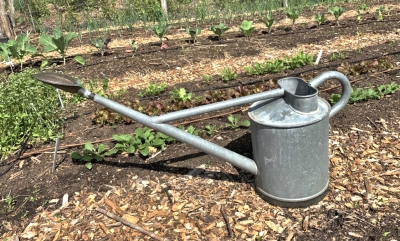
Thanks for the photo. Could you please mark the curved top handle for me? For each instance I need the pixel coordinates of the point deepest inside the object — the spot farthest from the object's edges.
(346, 88)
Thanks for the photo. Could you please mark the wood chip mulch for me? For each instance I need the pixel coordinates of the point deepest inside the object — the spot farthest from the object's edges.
(364, 172)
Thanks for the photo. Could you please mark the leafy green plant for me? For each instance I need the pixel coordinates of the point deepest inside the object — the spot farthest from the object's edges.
(58, 42)
(18, 48)
(148, 142)
(91, 153)
(190, 129)
(336, 56)
(125, 143)
(228, 75)
(206, 78)
(336, 11)
(193, 32)
(320, 18)
(181, 94)
(268, 21)
(210, 129)
(234, 122)
(293, 14)
(360, 94)
(27, 107)
(101, 44)
(379, 12)
(10, 203)
(299, 60)
(153, 90)
(160, 30)
(362, 9)
(219, 29)
(134, 45)
(246, 28)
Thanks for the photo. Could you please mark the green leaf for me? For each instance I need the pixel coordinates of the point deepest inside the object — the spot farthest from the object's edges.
(79, 60)
(75, 155)
(87, 158)
(89, 146)
(101, 148)
(130, 150)
(245, 123)
(144, 151)
(47, 42)
(88, 165)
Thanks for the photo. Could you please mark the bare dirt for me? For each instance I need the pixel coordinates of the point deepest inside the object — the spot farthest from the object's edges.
(157, 193)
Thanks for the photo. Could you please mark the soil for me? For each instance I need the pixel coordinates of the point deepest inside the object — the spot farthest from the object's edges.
(158, 194)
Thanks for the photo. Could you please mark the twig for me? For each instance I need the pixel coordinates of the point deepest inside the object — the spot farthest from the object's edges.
(127, 223)
(372, 123)
(228, 226)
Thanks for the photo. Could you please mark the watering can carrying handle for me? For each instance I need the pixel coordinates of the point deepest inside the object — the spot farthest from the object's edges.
(346, 88)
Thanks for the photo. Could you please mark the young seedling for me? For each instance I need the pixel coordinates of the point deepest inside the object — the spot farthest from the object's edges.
(210, 129)
(268, 21)
(58, 42)
(319, 18)
(153, 90)
(235, 122)
(363, 9)
(91, 153)
(125, 143)
(336, 12)
(206, 78)
(101, 44)
(228, 75)
(246, 28)
(160, 30)
(379, 12)
(293, 14)
(219, 29)
(193, 32)
(134, 45)
(181, 94)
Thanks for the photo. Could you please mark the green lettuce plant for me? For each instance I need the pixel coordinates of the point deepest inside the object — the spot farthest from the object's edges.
(228, 75)
(246, 28)
(153, 90)
(336, 12)
(268, 21)
(181, 94)
(219, 29)
(193, 32)
(58, 42)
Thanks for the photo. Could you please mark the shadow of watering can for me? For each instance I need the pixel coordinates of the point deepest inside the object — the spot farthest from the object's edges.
(289, 132)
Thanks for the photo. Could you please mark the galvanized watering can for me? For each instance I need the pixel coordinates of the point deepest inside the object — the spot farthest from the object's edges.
(289, 132)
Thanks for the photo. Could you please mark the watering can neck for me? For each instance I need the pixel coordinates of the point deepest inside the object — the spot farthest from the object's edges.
(299, 95)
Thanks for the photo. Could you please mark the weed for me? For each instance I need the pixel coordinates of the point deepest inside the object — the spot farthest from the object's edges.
(10, 203)
(228, 75)
(234, 122)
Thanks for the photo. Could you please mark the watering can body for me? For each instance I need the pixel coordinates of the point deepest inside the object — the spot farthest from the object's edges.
(290, 140)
